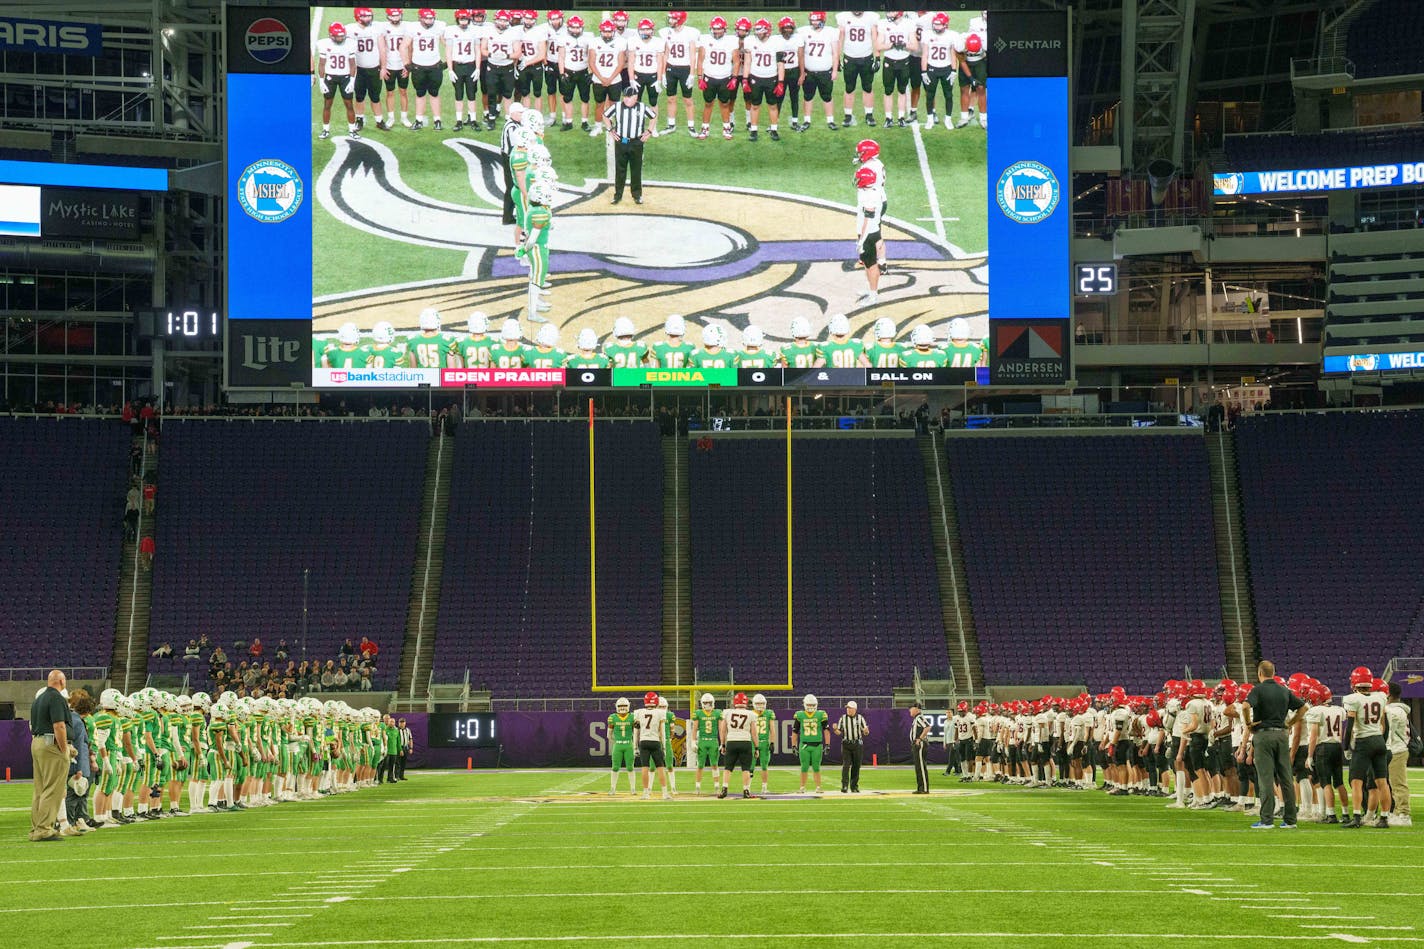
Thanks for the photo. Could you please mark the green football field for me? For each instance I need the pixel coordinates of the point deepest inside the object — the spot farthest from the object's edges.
(401, 221)
(538, 858)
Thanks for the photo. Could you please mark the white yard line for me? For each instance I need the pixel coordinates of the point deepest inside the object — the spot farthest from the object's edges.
(935, 215)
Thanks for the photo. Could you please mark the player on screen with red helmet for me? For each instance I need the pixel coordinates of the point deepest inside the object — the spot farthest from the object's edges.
(651, 721)
(335, 62)
(763, 77)
(737, 735)
(972, 49)
(647, 60)
(718, 56)
(680, 51)
(1369, 771)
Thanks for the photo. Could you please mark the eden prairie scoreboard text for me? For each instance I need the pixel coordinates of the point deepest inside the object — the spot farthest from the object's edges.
(642, 378)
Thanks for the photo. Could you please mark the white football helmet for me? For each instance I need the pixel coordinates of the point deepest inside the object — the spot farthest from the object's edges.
(541, 191)
(621, 705)
(758, 701)
(922, 336)
(534, 122)
(885, 328)
(202, 701)
(707, 701)
(110, 698)
(185, 703)
(959, 328)
(623, 327)
(587, 339)
(712, 335)
(753, 336)
(800, 327)
(510, 330)
(383, 333)
(809, 701)
(662, 701)
(548, 335)
(430, 318)
(479, 323)
(349, 334)
(839, 325)
(675, 325)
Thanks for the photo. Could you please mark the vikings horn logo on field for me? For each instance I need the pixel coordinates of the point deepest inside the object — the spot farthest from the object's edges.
(729, 255)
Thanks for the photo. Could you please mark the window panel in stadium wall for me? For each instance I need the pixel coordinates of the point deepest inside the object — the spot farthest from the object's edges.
(787, 222)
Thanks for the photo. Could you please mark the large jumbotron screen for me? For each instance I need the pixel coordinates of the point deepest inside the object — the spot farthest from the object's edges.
(388, 234)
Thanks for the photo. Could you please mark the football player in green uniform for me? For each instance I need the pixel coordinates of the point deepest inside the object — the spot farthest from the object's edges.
(809, 738)
(174, 719)
(839, 350)
(753, 354)
(218, 768)
(712, 355)
(384, 352)
(545, 354)
(962, 350)
(348, 353)
(884, 353)
(703, 722)
(765, 725)
(801, 353)
(509, 354)
(620, 744)
(538, 222)
(675, 352)
(104, 730)
(197, 727)
(430, 348)
(587, 355)
(622, 352)
(923, 354)
(474, 350)
(150, 792)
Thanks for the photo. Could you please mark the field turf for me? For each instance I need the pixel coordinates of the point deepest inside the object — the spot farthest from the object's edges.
(537, 858)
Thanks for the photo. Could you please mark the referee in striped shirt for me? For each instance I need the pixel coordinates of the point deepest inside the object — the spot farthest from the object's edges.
(632, 124)
(919, 746)
(514, 115)
(853, 731)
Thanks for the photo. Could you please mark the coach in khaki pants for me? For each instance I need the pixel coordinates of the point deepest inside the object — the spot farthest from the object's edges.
(49, 748)
(1397, 714)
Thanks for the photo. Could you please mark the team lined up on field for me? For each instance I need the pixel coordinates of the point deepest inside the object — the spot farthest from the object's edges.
(233, 753)
(1191, 742)
(435, 348)
(513, 56)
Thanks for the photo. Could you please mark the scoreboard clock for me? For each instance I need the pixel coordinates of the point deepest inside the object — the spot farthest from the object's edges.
(197, 325)
(463, 730)
(1094, 280)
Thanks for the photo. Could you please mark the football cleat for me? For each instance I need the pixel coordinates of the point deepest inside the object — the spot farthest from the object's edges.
(775, 135)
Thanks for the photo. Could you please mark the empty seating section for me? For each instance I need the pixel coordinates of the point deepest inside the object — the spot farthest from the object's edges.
(1089, 560)
(61, 511)
(1330, 499)
(514, 604)
(866, 605)
(1286, 151)
(1387, 40)
(1376, 290)
(246, 507)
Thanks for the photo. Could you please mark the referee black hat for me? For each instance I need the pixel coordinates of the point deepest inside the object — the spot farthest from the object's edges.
(632, 89)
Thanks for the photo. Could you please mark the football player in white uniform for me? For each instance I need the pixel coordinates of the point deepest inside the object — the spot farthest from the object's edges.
(972, 49)
(335, 62)
(370, 39)
(502, 50)
(533, 56)
(870, 199)
(821, 55)
(679, 57)
(607, 61)
(938, 63)
(647, 61)
(717, 54)
(556, 37)
(897, 43)
(763, 77)
(463, 43)
(573, 72)
(650, 720)
(791, 43)
(427, 69)
(858, 29)
(395, 65)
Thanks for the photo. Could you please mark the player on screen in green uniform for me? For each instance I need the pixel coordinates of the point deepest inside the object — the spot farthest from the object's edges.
(923, 354)
(620, 744)
(712, 355)
(509, 353)
(538, 222)
(801, 353)
(962, 350)
(809, 738)
(754, 355)
(474, 350)
(839, 350)
(430, 348)
(703, 723)
(587, 355)
(348, 353)
(319, 345)
(621, 350)
(675, 352)
(545, 353)
(765, 725)
(884, 353)
(385, 351)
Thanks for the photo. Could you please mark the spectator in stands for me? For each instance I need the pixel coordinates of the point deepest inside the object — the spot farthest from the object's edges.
(365, 680)
(282, 654)
(217, 659)
(131, 513)
(191, 651)
(202, 641)
(150, 493)
(255, 650)
(368, 648)
(147, 548)
(339, 680)
(347, 649)
(328, 675)
(164, 651)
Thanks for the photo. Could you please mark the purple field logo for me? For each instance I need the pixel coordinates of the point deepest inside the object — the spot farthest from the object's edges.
(268, 41)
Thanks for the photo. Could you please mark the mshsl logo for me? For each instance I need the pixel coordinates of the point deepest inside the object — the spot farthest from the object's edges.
(269, 191)
(1028, 192)
(268, 41)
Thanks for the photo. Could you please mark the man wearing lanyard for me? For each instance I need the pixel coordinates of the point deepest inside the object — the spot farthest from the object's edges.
(853, 731)
(1271, 705)
(919, 740)
(631, 124)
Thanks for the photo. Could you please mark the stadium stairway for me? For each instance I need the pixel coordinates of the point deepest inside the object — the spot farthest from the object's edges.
(1233, 570)
(128, 669)
(677, 565)
(418, 649)
(961, 637)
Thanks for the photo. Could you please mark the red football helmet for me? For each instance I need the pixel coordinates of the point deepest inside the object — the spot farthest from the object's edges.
(426, 13)
(553, 15)
(740, 700)
(786, 23)
(864, 178)
(744, 26)
(620, 16)
(940, 22)
(718, 24)
(394, 13)
(645, 24)
(362, 15)
(531, 16)
(973, 44)
(478, 12)
(576, 22)
(463, 14)
(1361, 675)
(677, 18)
(651, 699)
(606, 26)
(817, 16)
(1380, 685)
(762, 27)
(336, 31)
(501, 15)
(866, 149)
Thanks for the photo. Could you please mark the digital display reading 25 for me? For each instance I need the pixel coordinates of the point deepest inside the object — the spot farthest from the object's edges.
(463, 730)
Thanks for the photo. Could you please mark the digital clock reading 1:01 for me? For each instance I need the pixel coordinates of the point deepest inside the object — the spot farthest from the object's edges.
(191, 324)
(463, 730)
(1090, 280)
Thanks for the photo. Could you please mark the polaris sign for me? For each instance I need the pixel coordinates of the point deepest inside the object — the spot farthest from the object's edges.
(51, 36)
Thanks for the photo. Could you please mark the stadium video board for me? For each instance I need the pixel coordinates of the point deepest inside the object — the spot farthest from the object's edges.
(367, 176)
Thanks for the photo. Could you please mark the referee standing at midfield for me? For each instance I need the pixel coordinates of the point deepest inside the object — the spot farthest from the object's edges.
(513, 116)
(631, 123)
(919, 745)
(853, 731)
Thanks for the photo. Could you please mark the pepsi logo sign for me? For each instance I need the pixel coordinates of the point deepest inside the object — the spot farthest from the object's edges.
(268, 41)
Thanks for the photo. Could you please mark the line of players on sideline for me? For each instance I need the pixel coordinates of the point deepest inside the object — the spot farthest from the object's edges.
(491, 62)
(234, 753)
(1190, 742)
(738, 738)
(434, 348)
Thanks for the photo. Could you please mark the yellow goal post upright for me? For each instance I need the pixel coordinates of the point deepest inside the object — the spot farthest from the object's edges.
(692, 689)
